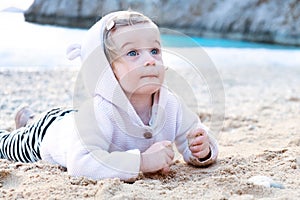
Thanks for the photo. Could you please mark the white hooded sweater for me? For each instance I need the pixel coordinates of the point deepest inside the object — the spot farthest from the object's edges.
(105, 138)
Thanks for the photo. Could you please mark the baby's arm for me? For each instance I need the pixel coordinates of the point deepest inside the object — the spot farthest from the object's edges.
(96, 163)
(88, 150)
(197, 149)
(100, 164)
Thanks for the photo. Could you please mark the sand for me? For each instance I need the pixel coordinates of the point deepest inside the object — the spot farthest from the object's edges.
(260, 136)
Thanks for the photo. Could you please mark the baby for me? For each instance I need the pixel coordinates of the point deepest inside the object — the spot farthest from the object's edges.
(131, 120)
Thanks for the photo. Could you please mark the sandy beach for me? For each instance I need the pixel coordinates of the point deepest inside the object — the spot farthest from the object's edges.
(259, 136)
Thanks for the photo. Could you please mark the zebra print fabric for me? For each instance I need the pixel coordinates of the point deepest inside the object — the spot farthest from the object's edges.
(23, 144)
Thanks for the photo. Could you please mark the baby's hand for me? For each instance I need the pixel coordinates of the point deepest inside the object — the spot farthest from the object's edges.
(199, 143)
(159, 156)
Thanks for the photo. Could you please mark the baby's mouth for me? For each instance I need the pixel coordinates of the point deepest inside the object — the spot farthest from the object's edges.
(150, 76)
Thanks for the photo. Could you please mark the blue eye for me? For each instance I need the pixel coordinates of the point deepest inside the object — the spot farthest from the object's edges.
(132, 53)
(154, 51)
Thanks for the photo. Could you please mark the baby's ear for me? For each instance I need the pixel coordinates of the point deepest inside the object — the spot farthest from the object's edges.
(73, 51)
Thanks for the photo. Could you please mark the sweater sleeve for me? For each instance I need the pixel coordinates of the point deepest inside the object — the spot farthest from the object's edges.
(99, 164)
(187, 121)
(88, 154)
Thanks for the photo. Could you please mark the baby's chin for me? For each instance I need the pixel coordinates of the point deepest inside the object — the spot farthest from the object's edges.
(148, 89)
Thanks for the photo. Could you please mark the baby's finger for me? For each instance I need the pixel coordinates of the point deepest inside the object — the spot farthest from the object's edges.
(199, 132)
(196, 133)
(170, 153)
(201, 154)
(167, 143)
(197, 148)
(197, 141)
(169, 146)
(165, 170)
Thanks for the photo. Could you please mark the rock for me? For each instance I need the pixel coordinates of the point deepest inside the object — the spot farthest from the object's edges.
(265, 181)
(251, 127)
(277, 185)
(274, 21)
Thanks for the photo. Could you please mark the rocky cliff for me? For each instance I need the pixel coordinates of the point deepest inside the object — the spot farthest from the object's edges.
(271, 21)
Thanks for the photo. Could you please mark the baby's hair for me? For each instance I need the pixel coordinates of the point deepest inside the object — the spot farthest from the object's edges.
(126, 18)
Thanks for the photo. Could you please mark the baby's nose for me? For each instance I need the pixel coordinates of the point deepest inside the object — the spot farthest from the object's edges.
(149, 63)
(149, 60)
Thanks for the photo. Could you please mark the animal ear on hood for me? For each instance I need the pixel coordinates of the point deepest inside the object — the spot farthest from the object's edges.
(73, 51)
(92, 56)
(92, 39)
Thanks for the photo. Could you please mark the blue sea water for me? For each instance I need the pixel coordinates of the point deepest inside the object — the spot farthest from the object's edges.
(184, 41)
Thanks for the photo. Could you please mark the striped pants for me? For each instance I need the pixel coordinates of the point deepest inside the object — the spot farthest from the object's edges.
(23, 144)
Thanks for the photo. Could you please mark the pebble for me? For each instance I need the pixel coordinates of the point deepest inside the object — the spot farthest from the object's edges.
(277, 185)
(265, 181)
(251, 127)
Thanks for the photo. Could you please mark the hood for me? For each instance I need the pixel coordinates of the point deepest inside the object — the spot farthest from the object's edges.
(96, 76)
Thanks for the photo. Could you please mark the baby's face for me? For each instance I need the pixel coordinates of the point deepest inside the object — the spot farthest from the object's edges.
(139, 67)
